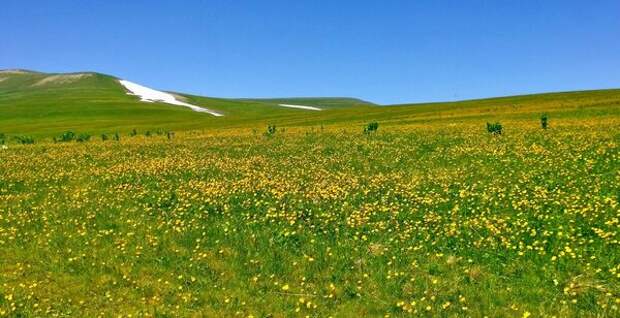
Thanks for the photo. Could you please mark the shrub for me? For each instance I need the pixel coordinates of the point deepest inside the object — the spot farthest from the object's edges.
(133, 133)
(271, 130)
(2, 138)
(148, 133)
(170, 135)
(24, 140)
(371, 128)
(117, 137)
(67, 136)
(83, 138)
(544, 121)
(104, 137)
(495, 129)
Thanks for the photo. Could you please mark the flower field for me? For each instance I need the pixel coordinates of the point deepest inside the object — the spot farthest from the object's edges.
(418, 219)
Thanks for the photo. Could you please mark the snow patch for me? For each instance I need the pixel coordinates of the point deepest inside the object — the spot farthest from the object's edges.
(300, 107)
(150, 95)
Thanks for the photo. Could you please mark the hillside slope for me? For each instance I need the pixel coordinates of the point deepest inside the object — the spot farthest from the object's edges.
(40, 104)
(319, 102)
(43, 104)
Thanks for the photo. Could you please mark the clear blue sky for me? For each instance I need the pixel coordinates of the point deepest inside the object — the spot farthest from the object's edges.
(383, 51)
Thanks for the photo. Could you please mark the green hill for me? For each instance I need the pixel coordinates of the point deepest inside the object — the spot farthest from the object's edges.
(41, 104)
(36, 103)
(320, 102)
(44, 104)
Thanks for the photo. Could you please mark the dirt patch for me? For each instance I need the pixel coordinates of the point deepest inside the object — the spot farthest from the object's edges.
(179, 97)
(62, 79)
(13, 72)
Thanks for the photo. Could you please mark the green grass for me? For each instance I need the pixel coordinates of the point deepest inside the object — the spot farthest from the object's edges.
(429, 216)
(98, 104)
(320, 102)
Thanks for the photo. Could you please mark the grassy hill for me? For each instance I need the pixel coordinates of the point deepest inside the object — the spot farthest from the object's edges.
(40, 104)
(320, 102)
(43, 104)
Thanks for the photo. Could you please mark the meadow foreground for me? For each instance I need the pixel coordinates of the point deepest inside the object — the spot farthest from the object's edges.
(437, 219)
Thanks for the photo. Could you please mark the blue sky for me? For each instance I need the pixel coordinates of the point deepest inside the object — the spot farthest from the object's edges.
(383, 51)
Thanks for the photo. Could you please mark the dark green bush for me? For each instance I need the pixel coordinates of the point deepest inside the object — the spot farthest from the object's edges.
(271, 130)
(371, 128)
(495, 129)
(83, 138)
(544, 121)
(2, 138)
(24, 140)
(67, 136)
(133, 133)
(117, 136)
(104, 137)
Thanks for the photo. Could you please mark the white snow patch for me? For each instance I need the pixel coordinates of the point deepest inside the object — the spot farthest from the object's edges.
(150, 95)
(300, 107)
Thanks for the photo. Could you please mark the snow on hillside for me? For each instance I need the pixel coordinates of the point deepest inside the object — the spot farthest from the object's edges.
(150, 95)
(300, 107)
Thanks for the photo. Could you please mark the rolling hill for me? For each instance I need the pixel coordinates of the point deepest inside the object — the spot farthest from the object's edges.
(320, 102)
(42, 104)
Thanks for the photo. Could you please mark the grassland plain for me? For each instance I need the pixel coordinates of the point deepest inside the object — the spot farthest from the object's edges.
(430, 216)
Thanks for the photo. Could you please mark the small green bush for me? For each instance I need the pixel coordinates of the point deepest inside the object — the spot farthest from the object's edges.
(83, 138)
(2, 138)
(133, 133)
(544, 121)
(117, 137)
(147, 133)
(24, 140)
(495, 129)
(371, 128)
(104, 137)
(271, 130)
(67, 136)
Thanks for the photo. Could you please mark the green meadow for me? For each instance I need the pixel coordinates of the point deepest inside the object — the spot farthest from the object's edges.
(429, 215)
